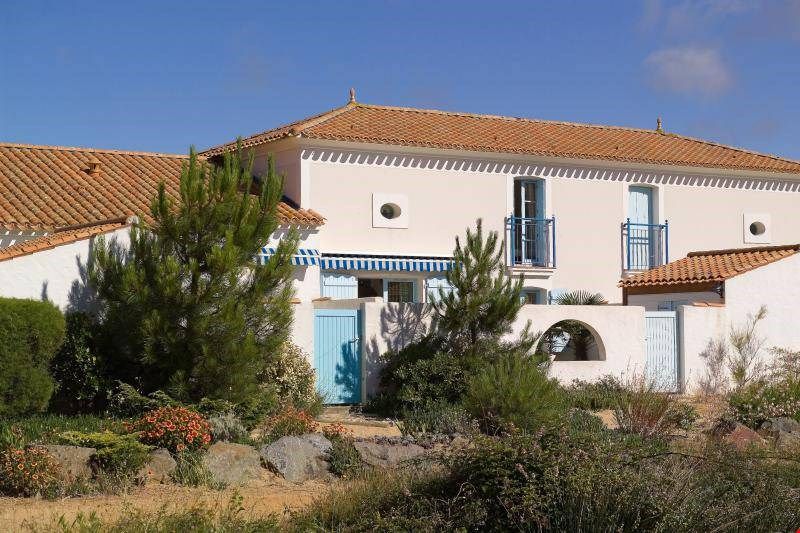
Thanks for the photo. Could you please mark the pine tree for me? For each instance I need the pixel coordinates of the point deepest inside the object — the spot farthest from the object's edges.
(484, 301)
(186, 307)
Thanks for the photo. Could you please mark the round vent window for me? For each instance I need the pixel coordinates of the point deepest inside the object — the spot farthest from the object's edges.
(757, 228)
(390, 211)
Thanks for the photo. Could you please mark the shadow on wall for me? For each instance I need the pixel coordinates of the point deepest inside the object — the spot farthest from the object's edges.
(347, 381)
(400, 325)
(81, 296)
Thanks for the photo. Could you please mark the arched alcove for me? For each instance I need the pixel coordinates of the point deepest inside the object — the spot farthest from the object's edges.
(572, 340)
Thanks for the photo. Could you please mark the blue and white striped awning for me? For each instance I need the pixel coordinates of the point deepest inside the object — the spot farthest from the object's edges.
(303, 257)
(406, 264)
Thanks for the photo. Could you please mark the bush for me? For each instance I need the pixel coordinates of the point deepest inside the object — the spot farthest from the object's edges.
(209, 407)
(125, 401)
(175, 428)
(292, 376)
(601, 394)
(343, 457)
(438, 418)
(31, 332)
(258, 406)
(514, 393)
(192, 472)
(227, 427)
(45, 429)
(290, 421)
(646, 412)
(755, 403)
(119, 455)
(27, 472)
(76, 368)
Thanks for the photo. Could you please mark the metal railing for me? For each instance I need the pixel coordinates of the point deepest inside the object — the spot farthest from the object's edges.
(646, 245)
(531, 241)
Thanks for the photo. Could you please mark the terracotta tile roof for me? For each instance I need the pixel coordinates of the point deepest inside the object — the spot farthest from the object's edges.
(60, 237)
(364, 123)
(46, 187)
(710, 266)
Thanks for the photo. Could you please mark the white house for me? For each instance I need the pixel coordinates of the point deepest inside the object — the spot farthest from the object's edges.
(380, 193)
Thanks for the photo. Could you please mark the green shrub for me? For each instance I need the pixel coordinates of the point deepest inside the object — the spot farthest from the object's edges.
(125, 401)
(119, 455)
(209, 407)
(601, 394)
(31, 333)
(27, 472)
(258, 406)
(177, 429)
(76, 368)
(290, 421)
(646, 412)
(512, 393)
(755, 403)
(227, 427)
(45, 429)
(343, 457)
(438, 418)
(190, 471)
(292, 376)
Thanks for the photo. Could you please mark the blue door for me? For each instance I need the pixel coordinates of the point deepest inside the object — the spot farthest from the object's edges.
(661, 347)
(640, 214)
(337, 355)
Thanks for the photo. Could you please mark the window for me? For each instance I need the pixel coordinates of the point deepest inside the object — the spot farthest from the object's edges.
(531, 296)
(370, 287)
(390, 211)
(757, 228)
(399, 291)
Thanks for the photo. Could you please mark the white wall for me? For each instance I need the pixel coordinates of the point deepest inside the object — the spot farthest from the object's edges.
(651, 301)
(447, 191)
(698, 326)
(57, 274)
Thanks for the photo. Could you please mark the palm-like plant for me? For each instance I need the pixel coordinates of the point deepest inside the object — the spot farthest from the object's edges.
(581, 338)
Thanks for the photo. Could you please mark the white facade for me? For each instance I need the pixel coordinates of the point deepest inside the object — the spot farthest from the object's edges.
(443, 192)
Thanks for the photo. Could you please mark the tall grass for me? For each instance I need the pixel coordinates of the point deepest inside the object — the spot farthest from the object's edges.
(45, 428)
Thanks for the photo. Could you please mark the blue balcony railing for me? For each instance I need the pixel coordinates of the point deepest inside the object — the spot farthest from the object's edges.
(646, 245)
(531, 241)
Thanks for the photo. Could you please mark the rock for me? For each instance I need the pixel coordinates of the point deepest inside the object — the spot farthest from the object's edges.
(774, 426)
(387, 455)
(737, 435)
(786, 441)
(158, 467)
(74, 461)
(232, 464)
(296, 458)
(319, 441)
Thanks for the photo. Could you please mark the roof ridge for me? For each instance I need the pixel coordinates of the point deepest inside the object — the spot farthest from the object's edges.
(728, 251)
(303, 122)
(4, 144)
(575, 124)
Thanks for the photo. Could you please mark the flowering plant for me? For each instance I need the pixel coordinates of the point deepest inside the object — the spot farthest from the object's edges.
(175, 428)
(26, 472)
(290, 421)
(337, 431)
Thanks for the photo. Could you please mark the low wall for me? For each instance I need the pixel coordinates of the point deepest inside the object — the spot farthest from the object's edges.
(620, 331)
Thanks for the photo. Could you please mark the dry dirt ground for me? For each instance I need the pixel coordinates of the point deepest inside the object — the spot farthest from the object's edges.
(270, 494)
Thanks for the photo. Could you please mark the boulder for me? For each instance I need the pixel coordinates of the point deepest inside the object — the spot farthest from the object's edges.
(786, 441)
(737, 435)
(387, 455)
(232, 464)
(74, 461)
(297, 458)
(319, 441)
(774, 426)
(158, 468)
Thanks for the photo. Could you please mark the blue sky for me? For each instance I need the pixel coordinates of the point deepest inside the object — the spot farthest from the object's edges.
(163, 75)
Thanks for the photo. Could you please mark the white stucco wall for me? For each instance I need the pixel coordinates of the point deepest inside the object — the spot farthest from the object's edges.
(57, 274)
(652, 301)
(697, 327)
(447, 191)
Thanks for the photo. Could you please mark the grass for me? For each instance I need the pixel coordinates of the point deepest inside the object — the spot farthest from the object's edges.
(199, 518)
(45, 428)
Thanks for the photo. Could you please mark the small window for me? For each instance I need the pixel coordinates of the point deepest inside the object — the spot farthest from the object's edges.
(400, 291)
(757, 228)
(531, 296)
(390, 211)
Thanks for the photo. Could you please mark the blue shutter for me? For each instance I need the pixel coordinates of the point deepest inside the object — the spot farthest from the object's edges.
(339, 286)
(640, 205)
(432, 286)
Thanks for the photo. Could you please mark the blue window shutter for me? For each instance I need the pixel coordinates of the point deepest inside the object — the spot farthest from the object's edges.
(339, 286)
(539, 199)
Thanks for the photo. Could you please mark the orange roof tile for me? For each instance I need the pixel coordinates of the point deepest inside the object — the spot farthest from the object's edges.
(45, 187)
(60, 237)
(710, 266)
(402, 126)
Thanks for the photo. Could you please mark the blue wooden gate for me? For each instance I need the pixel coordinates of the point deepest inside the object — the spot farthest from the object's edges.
(661, 366)
(337, 355)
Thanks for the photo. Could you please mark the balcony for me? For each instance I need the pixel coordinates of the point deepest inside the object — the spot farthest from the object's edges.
(531, 242)
(645, 246)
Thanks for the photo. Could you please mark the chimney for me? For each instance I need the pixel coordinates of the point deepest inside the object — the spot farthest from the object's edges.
(94, 166)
